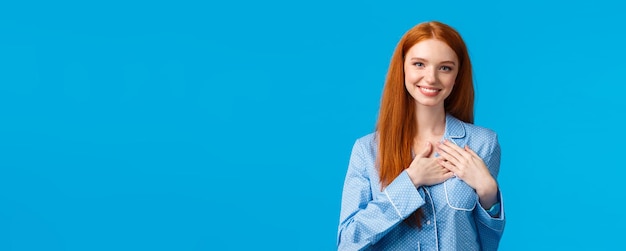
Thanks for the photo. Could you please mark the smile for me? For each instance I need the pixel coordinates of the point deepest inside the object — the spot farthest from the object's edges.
(431, 92)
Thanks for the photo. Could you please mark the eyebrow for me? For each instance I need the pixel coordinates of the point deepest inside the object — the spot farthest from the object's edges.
(421, 59)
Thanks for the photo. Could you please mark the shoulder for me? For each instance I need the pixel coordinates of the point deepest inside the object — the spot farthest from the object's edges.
(457, 128)
(480, 132)
(481, 139)
(369, 138)
(367, 143)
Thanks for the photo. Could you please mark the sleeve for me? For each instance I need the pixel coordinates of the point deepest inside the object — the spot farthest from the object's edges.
(365, 219)
(490, 229)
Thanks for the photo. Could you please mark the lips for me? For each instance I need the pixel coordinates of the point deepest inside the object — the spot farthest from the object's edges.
(428, 91)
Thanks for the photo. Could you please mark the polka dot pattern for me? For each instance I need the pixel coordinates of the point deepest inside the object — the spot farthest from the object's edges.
(372, 219)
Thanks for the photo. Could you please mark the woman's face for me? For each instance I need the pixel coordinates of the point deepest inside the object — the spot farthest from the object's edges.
(430, 69)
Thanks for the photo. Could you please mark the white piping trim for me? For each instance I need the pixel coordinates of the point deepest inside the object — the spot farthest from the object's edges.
(394, 205)
(445, 188)
(485, 224)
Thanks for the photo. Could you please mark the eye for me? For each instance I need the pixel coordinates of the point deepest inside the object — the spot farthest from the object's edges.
(419, 64)
(446, 68)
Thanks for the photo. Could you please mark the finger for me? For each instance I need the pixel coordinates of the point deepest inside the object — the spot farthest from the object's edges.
(448, 175)
(445, 175)
(427, 150)
(448, 165)
(475, 158)
(451, 147)
(467, 149)
(447, 156)
(461, 153)
(447, 151)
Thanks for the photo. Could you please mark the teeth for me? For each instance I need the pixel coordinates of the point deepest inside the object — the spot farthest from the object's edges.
(429, 90)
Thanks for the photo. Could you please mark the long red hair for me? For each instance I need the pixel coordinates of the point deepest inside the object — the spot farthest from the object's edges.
(396, 121)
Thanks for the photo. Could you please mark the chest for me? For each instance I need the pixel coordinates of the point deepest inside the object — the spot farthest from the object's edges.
(427, 146)
(452, 195)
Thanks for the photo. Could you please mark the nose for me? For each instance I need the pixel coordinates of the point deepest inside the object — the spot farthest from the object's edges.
(430, 75)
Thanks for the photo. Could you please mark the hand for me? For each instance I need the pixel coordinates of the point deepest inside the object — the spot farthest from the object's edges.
(425, 171)
(469, 167)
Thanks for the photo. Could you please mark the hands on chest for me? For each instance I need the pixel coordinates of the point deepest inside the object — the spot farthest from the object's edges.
(452, 161)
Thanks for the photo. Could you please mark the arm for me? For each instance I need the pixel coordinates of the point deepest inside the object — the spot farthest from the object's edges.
(490, 228)
(365, 218)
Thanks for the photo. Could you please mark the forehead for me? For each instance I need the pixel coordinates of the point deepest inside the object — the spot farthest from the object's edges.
(432, 50)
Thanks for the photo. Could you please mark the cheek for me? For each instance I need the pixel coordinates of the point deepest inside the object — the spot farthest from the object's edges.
(411, 77)
(449, 81)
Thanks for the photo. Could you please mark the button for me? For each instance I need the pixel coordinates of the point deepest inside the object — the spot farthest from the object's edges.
(427, 222)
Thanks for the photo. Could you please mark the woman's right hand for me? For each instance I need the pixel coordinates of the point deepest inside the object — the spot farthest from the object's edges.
(425, 171)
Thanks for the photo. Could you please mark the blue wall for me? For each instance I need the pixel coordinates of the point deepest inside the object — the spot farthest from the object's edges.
(228, 126)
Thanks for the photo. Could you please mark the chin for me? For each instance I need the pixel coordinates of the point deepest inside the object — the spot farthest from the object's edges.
(429, 103)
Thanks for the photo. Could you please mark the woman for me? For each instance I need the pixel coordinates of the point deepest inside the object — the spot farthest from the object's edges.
(426, 179)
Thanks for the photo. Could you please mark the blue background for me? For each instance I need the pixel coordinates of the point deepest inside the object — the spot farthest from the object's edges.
(185, 125)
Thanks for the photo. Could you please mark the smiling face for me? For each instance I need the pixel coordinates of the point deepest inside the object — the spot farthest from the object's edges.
(430, 69)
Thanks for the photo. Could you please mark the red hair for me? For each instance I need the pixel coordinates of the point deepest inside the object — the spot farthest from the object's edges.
(396, 120)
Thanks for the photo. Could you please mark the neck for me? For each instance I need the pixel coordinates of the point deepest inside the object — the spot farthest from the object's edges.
(431, 121)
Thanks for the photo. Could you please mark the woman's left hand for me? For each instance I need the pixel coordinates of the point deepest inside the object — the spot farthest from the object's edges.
(469, 167)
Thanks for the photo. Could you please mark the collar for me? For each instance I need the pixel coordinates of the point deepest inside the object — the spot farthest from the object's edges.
(454, 127)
